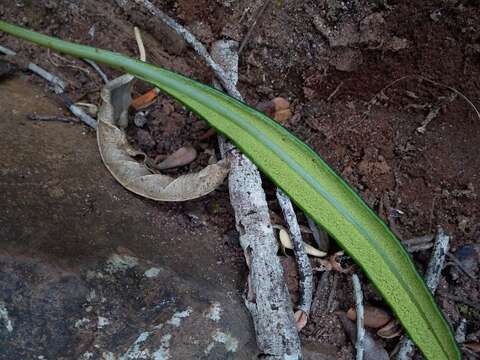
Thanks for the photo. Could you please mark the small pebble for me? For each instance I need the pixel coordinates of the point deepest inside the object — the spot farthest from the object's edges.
(140, 119)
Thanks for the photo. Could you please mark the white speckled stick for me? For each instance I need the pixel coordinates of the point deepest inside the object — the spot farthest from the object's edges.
(270, 306)
(432, 278)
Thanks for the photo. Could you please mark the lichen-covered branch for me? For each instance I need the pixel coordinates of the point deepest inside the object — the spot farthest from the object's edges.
(269, 301)
(303, 263)
(432, 278)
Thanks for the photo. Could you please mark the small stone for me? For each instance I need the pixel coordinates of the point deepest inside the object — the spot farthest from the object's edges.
(140, 119)
(469, 257)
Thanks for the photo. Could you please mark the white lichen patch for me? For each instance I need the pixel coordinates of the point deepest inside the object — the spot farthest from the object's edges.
(81, 322)
(214, 312)
(107, 355)
(230, 343)
(118, 263)
(92, 295)
(5, 318)
(179, 316)
(152, 272)
(86, 356)
(163, 352)
(134, 351)
(102, 322)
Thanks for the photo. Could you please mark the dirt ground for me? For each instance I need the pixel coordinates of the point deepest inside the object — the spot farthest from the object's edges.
(362, 77)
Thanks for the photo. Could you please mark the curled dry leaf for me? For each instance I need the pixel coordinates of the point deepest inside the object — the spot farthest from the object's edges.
(119, 156)
(183, 156)
(301, 319)
(390, 330)
(277, 108)
(286, 242)
(373, 317)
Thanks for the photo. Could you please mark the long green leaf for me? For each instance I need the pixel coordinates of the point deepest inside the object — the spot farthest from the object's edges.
(308, 180)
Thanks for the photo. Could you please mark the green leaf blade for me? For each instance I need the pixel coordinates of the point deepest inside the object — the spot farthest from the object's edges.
(311, 184)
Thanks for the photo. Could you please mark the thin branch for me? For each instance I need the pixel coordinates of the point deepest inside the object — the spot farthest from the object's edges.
(67, 119)
(303, 263)
(360, 344)
(227, 83)
(267, 298)
(320, 236)
(141, 47)
(433, 82)
(258, 16)
(98, 69)
(459, 264)
(432, 278)
(59, 87)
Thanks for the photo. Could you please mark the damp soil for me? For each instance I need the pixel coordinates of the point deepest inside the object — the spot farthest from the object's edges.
(361, 77)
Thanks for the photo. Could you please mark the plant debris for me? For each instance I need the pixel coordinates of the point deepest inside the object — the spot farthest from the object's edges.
(374, 317)
(119, 156)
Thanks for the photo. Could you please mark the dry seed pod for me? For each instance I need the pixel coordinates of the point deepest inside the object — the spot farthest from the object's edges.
(391, 330)
(373, 317)
(286, 242)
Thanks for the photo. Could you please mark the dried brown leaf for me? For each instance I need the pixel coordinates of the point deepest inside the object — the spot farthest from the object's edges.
(374, 317)
(391, 330)
(183, 156)
(119, 156)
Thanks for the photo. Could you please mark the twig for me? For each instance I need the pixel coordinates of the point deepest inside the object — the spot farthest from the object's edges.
(337, 89)
(258, 16)
(98, 69)
(432, 278)
(67, 63)
(268, 300)
(360, 319)
(303, 263)
(333, 293)
(59, 87)
(433, 82)
(222, 76)
(141, 47)
(434, 113)
(459, 264)
(35, 117)
(321, 237)
(324, 288)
